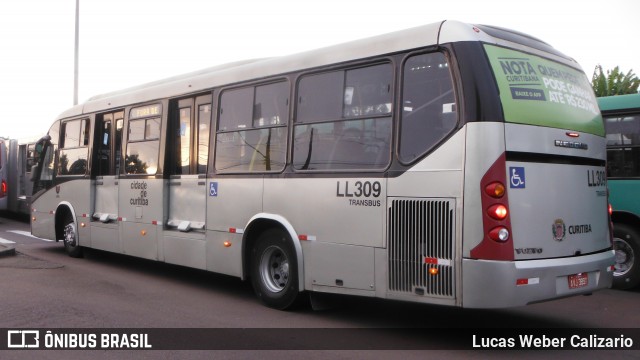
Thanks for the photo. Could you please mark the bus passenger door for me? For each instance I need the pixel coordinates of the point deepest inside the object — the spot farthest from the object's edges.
(105, 173)
(186, 164)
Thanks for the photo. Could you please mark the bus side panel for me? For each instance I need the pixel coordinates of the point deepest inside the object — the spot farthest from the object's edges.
(342, 220)
(423, 217)
(141, 209)
(347, 211)
(231, 203)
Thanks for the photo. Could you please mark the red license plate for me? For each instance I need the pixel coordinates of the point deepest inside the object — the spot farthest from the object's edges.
(578, 280)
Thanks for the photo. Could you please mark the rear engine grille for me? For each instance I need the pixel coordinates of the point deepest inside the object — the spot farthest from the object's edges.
(421, 237)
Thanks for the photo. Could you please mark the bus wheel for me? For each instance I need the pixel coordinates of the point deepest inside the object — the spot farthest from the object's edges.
(626, 243)
(274, 269)
(70, 232)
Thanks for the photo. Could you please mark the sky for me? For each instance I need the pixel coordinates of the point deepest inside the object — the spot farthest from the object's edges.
(130, 42)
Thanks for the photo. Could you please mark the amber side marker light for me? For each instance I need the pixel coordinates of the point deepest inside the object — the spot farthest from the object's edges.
(433, 271)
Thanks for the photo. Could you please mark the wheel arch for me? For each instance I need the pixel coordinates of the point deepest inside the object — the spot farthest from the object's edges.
(256, 226)
(64, 208)
(627, 218)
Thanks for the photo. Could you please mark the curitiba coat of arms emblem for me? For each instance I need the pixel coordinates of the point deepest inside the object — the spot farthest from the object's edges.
(558, 229)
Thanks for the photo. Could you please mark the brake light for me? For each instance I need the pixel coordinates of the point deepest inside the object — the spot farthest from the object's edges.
(497, 242)
(498, 211)
(610, 213)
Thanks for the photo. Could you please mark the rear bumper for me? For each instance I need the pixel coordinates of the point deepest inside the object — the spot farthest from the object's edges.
(494, 284)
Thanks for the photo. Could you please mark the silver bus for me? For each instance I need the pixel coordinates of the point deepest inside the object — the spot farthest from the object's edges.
(17, 157)
(450, 164)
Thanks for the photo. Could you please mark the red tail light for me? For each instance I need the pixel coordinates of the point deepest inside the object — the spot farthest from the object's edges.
(497, 211)
(3, 189)
(497, 242)
(610, 213)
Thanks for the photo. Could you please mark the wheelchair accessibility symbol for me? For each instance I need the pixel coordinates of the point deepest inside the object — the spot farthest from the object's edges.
(516, 177)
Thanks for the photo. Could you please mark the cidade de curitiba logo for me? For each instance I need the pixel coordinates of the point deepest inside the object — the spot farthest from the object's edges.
(69, 339)
(559, 230)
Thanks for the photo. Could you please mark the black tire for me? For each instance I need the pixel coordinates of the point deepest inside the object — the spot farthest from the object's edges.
(70, 237)
(626, 243)
(274, 270)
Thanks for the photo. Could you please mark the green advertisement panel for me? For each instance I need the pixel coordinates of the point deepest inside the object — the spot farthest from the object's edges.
(537, 91)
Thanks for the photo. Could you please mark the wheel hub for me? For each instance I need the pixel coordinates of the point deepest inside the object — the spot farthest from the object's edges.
(70, 234)
(274, 269)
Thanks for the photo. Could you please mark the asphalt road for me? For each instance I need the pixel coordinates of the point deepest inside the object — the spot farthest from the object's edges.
(44, 288)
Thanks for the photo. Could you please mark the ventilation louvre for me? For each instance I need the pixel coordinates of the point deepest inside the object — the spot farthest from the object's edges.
(421, 236)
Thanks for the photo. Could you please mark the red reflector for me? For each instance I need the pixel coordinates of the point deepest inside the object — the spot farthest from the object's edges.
(430, 260)
(232, 230)
(3, 190)
(498, 211)
(119, 218)
(522, 281)
(303, 237)
(610, 210)
(154, 222)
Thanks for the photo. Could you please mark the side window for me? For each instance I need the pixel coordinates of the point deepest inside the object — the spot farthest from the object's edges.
(183, 141)
(344, 120)
(142, 148)
(252, 132)
(32, 158)
(74, 144)
(141, 157)
(623, 145)
(428, 105)
(204, 118)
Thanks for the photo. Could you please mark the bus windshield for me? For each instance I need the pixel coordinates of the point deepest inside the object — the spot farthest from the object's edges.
(538, 91)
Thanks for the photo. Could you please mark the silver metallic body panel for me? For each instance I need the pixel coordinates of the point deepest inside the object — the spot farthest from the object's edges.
(187, 201)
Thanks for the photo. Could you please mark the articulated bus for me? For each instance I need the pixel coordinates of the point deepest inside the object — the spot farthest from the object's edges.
(17, 157)
(449, 164)
(622, 121)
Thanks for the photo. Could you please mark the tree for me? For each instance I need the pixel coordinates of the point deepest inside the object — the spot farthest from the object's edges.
(615, 82)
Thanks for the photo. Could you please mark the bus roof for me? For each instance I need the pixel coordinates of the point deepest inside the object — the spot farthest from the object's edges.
(227, 74)
(619, 102)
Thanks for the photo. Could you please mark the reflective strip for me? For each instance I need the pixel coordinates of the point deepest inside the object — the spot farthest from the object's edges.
(437, 261)
(306, 237)
(236, 231)
(530, 281)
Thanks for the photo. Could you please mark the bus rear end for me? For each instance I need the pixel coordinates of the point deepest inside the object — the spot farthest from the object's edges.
(536, 225)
